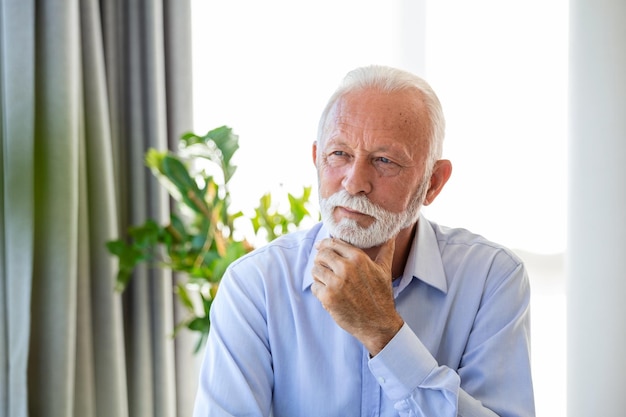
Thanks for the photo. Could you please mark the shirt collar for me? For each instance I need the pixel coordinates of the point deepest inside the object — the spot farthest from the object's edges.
(424, 262)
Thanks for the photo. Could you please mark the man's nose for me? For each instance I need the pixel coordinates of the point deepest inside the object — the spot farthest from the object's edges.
(358, 177)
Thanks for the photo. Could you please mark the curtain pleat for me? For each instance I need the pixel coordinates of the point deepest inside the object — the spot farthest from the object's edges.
(148, 299)
(86, 87)
(179, 87)
(57, 130)
(17, 115)
(105, 338)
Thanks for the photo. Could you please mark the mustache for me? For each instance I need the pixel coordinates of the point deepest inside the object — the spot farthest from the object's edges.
(358, 203)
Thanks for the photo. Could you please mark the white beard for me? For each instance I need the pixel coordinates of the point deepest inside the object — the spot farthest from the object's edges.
(386, 224)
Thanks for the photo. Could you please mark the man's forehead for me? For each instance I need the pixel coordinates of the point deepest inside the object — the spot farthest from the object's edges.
(376, 112)
(405, 105)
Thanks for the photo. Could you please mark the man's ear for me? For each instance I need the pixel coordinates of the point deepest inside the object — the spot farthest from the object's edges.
(441, 175)
(315, 153)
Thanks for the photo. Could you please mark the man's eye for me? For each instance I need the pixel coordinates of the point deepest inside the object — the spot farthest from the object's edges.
(386, 167)
(337, 158)
(382, 161)
(337, 155)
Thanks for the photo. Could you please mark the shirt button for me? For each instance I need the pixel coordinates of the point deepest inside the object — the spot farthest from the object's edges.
(381, 380)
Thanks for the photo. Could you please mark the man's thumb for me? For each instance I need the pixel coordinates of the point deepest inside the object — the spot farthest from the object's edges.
(385, 254)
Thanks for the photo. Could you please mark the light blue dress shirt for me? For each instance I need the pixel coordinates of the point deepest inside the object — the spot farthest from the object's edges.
(464, 349)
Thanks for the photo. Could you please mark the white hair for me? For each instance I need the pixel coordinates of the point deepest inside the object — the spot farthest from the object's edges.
(388, 80)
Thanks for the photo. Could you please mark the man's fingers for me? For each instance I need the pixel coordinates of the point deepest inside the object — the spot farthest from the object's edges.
(334, 246)
(338, 257)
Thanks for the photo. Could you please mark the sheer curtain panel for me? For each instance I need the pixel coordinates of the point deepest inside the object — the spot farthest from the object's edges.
(86, 87)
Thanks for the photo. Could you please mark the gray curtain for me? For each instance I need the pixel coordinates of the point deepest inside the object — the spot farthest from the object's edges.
(86, 87)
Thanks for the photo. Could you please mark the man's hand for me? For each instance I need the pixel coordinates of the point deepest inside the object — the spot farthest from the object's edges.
(357, 291)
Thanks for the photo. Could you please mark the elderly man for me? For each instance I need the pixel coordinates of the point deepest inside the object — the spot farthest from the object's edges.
(376, 311)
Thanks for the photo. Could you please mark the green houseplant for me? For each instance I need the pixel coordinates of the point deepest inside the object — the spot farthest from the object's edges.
(200, 240)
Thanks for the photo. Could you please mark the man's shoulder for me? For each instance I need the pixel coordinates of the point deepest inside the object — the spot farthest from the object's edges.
(470, 259)
(279, 267)
(461, 239)
(289, 247)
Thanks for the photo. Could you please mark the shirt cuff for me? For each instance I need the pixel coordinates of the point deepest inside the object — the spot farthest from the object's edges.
(402, 365)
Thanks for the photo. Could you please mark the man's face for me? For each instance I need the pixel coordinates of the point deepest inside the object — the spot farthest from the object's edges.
(371, 163)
